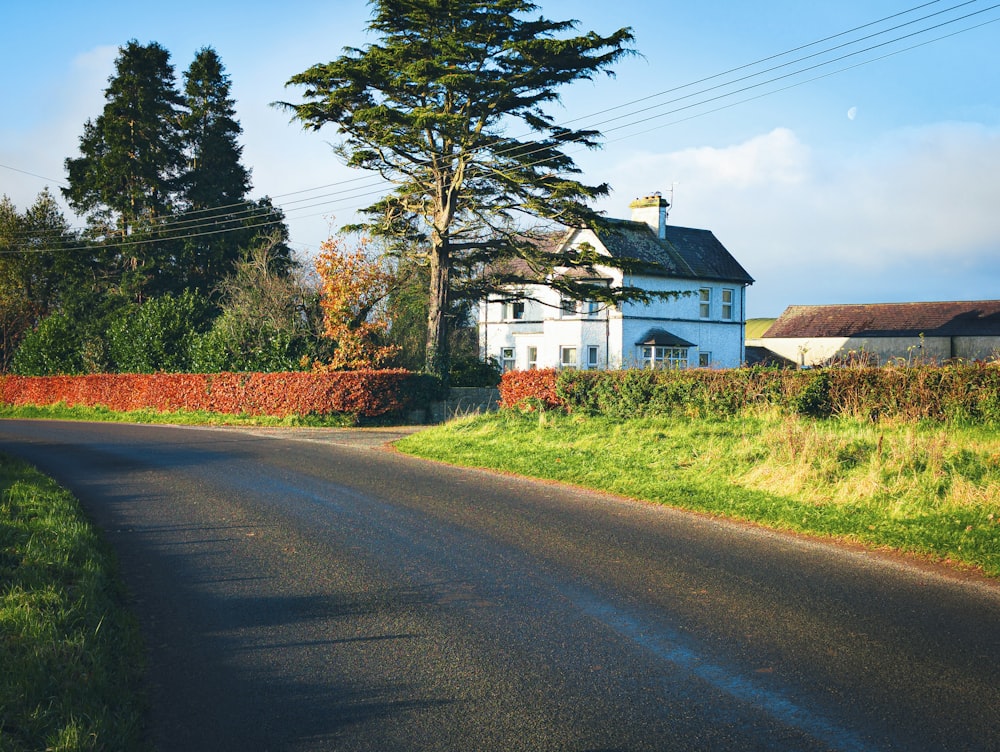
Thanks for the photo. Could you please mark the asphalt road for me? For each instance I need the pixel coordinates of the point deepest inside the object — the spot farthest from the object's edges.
(307, 590)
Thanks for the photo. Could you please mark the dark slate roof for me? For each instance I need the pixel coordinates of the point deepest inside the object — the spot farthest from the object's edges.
(663, 338)
(973, 318)
(685, 253)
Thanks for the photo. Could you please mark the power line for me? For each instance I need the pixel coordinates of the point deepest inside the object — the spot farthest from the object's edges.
(763, 60)
(809, 68)
(205, 222)
(806, 81)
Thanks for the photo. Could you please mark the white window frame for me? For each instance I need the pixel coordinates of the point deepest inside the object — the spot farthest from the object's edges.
(593, 356)
(593, 309)
(705, 303)
(728, 303)
(508, 359)
(662, 357)
(704, 359)
(532, 357)
(569, 356)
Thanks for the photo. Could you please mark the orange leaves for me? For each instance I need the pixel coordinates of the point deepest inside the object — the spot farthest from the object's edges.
(365, 394)
(527, 389)
(354, 288)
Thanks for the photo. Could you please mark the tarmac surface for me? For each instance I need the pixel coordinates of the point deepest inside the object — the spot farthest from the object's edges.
(301, 590)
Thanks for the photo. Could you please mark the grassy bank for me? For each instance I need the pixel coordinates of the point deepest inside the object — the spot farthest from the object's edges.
(928, 490)
(69, 652)
(178, 418)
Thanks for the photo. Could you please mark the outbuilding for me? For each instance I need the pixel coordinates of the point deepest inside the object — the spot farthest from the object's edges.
(879, 333)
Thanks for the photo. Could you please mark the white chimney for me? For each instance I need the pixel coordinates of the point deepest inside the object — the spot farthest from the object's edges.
(653, 211)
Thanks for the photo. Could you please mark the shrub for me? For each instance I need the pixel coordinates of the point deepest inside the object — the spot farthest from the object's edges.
(472, 371)
(238, 344)
(157, 335)
(814, 399)
(53, 347)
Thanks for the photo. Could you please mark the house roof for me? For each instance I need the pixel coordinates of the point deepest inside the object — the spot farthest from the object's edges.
(685, 252)
(960, 318)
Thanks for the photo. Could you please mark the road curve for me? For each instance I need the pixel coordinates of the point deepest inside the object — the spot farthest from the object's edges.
(324, 594)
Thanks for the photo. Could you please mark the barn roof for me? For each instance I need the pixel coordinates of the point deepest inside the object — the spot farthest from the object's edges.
(959, 318)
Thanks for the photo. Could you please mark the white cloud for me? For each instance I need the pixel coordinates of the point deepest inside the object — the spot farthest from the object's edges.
(909, 216)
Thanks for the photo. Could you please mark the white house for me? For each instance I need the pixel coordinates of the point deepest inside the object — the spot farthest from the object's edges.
(702, 327)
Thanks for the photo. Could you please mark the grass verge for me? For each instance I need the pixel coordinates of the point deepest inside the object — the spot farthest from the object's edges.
(177, 418)
(70, 652)
(927, 490)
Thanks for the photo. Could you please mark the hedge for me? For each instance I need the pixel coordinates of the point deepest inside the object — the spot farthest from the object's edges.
(365, 394)
(967, 392)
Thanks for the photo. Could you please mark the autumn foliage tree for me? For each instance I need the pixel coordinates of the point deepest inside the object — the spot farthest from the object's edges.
(353, 290)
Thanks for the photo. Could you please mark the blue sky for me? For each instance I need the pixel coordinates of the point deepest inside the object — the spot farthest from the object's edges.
(874, 182)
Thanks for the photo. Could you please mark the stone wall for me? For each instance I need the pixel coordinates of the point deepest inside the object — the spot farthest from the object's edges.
(461, 401)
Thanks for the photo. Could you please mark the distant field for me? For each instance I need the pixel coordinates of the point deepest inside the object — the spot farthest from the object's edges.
(757, 327)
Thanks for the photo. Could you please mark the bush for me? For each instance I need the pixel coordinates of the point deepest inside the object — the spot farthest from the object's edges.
(53, 347)
(239, 345)
(157, 335)
(814, 399)
(472, 371)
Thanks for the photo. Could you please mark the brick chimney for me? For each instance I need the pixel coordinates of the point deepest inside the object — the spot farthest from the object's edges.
(653, 211)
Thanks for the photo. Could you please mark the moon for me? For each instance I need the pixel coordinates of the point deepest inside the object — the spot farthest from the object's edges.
(852, 113)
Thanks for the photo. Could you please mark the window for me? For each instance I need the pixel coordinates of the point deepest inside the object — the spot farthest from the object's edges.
(593, 308)
(507, 359)
(513, 310)
(664, 357)
(704, 359)
(532, 358)
(567, 307)
(705, 303)
(567, 357)
(592, 356)
(727, 304)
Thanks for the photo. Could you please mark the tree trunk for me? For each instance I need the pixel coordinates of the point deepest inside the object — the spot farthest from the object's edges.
(437, 358)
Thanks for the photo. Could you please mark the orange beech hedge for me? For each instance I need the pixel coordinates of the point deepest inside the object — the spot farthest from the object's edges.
(529, 388)
(366, 394)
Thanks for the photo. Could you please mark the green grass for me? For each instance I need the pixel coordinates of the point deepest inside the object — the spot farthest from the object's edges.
(755, 328)
(927, 490)
(70, 655)
(188, 418)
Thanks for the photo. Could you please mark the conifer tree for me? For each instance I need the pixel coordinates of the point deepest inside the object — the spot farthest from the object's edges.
(216, 183)
(130, 167)
(449, 105)
(216, 176)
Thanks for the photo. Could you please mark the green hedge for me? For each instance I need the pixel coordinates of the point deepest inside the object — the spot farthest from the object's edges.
(966, 393)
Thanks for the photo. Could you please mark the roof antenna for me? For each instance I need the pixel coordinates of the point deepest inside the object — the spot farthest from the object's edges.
(671, 204)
